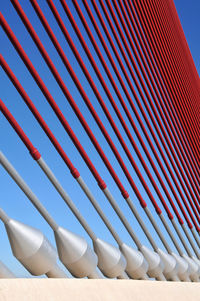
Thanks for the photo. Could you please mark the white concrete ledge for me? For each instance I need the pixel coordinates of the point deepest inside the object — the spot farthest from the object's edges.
(96, 290)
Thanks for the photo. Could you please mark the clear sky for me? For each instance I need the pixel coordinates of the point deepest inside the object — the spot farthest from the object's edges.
(188, 12)
(12, 200)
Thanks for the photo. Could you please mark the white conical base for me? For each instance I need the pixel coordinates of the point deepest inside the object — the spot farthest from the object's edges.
(137, 265)
(110, 260)
(170, 266)
(194, 269)
(156, 265)
(198, 263)
(31, 248)
(183, 270)
(75, 253)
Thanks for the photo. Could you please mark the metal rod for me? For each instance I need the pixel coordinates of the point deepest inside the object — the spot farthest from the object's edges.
(152, 54)
(18, 235)
(124, 20)
(149, 33)
(157, 76)
(51, 176)
(62, 118)
(79, 115)
(24, 187)
(66, 198)
(87, 259)
(88, 53)
(34, 152)
(5, 272)
(150, 89)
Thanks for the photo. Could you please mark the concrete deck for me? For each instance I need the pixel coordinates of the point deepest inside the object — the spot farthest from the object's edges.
(96, 290)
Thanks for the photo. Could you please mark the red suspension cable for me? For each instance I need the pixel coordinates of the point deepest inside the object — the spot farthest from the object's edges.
(164, 99)
(147, 94)
(35, 112)
(178, 164)
(33, 151)
(158, 64)
(96, 47)
(160, 49)
(172, 51)
(181, 55)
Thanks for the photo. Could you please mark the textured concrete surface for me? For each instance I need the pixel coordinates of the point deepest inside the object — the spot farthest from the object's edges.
(96, 290)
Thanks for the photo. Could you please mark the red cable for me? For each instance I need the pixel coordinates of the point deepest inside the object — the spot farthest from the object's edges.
(146, 92)
(141, 12)
(196, 204)
(182, 77)
(61, 117)
(145, 18)
(181, 192)
(150, 54)
(162, 49)
(56, 44)
(76, 53)
(120, 65)
(185, 82)
(85, 47)
(197, 186)
(153, 81)
(186, 65)
(33, 151)
(158, 65)
(160, 85)
(188, 59)
(38, 117)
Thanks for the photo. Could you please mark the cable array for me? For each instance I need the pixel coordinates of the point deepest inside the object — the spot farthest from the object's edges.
(141, 89)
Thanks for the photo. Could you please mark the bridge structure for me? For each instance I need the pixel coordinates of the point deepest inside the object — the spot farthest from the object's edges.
(100, 109)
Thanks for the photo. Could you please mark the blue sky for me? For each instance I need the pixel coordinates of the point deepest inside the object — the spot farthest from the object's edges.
(12, 200)
(188, 13)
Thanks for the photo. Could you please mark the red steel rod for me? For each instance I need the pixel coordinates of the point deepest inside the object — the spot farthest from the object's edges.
(147, 35)
(48, 132)
(161, 87)
(187, 103)
(156, 42)
(128, 96)
(195, 201)
(95, 115)
(190, 61)
(191, 177)
(81, 118)
(185, 84)
(152, 80)
(181, 78)
(155, 124)
(175, 66)
(107, 73)
(188, 65)
(98, 73)
(44, 89)
(157, 64)
(56, 44)
(186, 74)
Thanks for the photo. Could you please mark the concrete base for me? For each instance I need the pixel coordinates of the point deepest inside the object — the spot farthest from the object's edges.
(96, 290)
